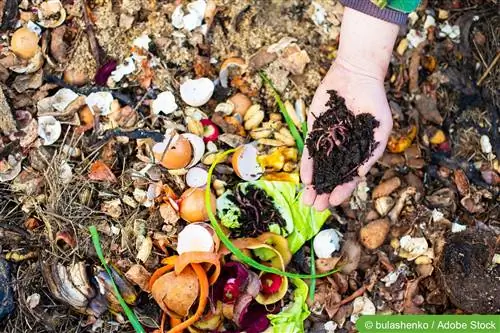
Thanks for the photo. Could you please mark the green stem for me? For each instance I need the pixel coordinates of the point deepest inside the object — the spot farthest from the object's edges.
(227, 242)
(312, 288)
(293, 129)
(128, 312)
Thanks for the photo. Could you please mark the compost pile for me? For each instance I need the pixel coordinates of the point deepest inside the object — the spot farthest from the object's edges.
(124, 125)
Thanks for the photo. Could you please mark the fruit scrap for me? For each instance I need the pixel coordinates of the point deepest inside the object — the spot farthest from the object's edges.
(210, 130)
(203, 283)
(399, 143)
(271, 283)
(283, 177)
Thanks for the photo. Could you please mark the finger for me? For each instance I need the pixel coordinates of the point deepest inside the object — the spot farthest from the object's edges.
(309, 196)
(381, 135)
(321, 202)
(306, 168)
(342, 192)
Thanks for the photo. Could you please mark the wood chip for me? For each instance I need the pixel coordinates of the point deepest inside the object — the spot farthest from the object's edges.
(7, 123)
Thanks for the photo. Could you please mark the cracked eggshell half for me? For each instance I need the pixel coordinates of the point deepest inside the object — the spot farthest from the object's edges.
(226, 66)
(326, 242)
(100, 101)
(198, 148)
(197, 92)
(245, 163)
(175, 154)
(195, 237)
(51, 14)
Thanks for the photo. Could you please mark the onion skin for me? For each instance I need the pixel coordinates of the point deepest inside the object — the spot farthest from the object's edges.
(241, 103)
(24, 43)
(192, 205)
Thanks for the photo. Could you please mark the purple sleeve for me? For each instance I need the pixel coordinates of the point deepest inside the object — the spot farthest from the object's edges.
(386, 14)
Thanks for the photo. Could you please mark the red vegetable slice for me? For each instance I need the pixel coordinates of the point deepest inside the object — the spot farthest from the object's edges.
(271, 283)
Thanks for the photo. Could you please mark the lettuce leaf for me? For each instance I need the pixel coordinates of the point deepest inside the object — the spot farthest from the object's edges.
(307, 222)
(291, 318)
(228, 211)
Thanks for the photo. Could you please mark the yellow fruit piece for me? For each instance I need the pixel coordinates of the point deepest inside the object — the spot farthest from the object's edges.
(399, 143)
(438, 137)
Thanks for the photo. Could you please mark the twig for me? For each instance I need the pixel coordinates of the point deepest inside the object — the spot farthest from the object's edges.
(354, 295)
(134, 135)
(7, 123)
(488, 70)
(94, 46)
(85, 90)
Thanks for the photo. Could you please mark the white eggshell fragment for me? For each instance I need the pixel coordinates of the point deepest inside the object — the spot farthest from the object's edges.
(164, 103)
(415, 246)
(49, 129)
(100, 101)
(486, 144)
(195, 238)
(326, 242)
(14, 168)
(198, 148)
(177, 17)
(142, 42)
(196, 177)
(63, 98)
(197, 92)
(124, 69)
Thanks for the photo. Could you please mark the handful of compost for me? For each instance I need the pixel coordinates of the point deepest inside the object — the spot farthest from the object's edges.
(339, 141)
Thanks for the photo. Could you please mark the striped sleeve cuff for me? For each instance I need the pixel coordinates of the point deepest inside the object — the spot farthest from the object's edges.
(386, 14)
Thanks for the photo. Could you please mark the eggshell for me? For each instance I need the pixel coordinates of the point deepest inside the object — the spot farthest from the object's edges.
(197, 92)
(177, 156)
(196, 177)
(245, 163)
(195, 238)
(198, 148)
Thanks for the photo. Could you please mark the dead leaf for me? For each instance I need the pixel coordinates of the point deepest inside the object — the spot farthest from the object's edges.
(101, 172)
(112, 208)
(324, 265)
(427, 108)
(461, 181)
(410, 293)
(58, 47)
(169, 214)
(139, 275)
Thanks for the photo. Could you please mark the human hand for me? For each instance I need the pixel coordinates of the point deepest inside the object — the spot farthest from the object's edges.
(363, 94)
(358, 76)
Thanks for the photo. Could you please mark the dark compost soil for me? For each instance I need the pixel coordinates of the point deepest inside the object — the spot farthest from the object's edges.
(257, 212)
(339, 143)
(470, 279)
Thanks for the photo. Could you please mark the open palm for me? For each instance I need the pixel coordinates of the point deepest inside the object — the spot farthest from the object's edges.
(363, 93)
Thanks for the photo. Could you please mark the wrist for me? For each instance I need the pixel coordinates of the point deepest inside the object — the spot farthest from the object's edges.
(366, 44)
